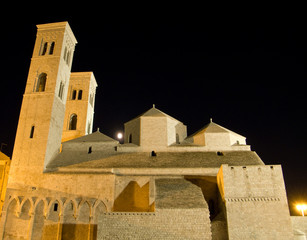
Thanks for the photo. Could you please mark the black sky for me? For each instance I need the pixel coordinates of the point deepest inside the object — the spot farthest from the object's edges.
(248, 76)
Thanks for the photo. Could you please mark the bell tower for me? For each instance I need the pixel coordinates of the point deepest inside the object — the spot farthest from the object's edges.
(40, 125)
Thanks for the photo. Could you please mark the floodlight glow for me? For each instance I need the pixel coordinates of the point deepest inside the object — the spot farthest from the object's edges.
(302, 208)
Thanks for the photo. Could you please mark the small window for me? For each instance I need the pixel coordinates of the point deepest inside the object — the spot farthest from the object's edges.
(41, 83)
(32, 132)
(68, 58)
(89, 150)
(220, 153)
(153, 154)
(65, 53)
(73, 122)
(130, 138)
(44, 49)
(61, 89)
(55, 207)
(51, 48)
(74, 94)
(91, 99)
(177, 138)
(80, 95)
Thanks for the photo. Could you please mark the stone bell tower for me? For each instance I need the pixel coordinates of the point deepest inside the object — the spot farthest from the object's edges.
(40, 125)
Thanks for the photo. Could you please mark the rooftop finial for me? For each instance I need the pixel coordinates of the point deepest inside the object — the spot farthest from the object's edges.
(211, 120)
(153, 105)
(97, 129)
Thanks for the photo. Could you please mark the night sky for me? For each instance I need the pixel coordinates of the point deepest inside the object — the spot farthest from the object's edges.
(248, 77)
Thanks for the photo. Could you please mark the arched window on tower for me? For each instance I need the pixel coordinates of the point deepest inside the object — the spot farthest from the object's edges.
(74, 94)
(51, 48)
(65, 53)
(41, 83)
(73, 122)
(61, 89)
(80, 95)
(44, 50)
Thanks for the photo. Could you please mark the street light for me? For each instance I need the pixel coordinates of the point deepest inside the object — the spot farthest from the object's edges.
(302, 208)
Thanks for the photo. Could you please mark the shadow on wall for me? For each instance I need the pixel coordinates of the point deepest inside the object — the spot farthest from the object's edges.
(133, 199)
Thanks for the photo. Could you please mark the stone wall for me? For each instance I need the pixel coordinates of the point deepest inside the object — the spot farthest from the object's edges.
(299, 225)
(163, 224)
(256, 203)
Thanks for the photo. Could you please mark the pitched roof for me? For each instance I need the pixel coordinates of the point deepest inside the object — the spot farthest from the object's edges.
(3, 156)
(94, 137)
(164, 160)
(154, 112)
(213, 128)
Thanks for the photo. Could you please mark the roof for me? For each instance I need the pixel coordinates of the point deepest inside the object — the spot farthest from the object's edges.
(214, 128)
(3, 156)
(187, 195)
(162, 160)
(154, 112)
(93, 137)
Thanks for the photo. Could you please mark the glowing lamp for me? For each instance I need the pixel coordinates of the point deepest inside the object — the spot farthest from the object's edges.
(119, 135)
(302, 208)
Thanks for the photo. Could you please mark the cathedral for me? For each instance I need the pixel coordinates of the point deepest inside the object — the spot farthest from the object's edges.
(68, 182)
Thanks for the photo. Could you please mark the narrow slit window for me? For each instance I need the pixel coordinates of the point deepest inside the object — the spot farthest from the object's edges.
(89, 150)
(74, 94)
(44, 49)
(65, 53)
(32, 132)
(51, 48)
(80, 95)
(55, 207)
(61, 89)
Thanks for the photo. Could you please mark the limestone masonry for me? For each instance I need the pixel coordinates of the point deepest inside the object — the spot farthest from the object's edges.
(68, 182)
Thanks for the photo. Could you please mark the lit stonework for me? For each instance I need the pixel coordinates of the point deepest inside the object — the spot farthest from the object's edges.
(67, 182)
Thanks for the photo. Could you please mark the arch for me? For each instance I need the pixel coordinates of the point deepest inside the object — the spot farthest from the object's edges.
(73, 122)
(51, 226)
(51, 48)
(41, 83)
(11, 218)
(39, 220)
(51, 209)
(26, 206)
(70, 204)
(69, 220)
(84, 212)
(18, 217)
(38, 201)
(98, 208)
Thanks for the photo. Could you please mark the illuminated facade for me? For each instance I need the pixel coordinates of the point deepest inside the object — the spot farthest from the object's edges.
(66, 182)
